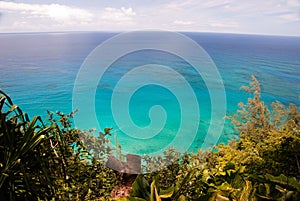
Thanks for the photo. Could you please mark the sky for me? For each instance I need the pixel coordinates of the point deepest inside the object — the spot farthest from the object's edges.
(270, 17)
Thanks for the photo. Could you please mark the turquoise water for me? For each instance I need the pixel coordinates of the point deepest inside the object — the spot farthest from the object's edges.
(39, 70)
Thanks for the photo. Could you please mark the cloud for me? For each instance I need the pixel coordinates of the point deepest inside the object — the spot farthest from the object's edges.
(177, 5)
(293, 3)
(182, 22)
(57, 17)
(272, 16)
(224, 25)
(291, 17)
(118, 14)
(200, 4)
(62, 12)
(216, 3)
(55, 12)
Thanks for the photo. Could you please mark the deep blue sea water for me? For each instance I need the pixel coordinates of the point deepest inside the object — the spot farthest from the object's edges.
(38, 71)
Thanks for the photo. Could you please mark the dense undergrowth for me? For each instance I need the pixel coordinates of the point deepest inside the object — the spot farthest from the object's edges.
(51, 160)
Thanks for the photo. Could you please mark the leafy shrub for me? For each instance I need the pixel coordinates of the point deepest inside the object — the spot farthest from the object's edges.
(46, 161)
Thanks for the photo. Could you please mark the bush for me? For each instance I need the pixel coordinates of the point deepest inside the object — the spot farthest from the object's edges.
(46, 161)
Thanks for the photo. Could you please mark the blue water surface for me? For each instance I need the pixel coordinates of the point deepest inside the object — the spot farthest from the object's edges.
(38, 71)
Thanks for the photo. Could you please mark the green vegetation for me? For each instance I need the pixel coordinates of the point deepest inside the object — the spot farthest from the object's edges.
(53, 161)
(49, 161)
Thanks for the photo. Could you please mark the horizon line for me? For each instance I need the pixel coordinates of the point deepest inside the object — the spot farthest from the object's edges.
(126, 31)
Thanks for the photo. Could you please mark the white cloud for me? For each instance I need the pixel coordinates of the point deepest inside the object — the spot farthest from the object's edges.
(183, 22)
(293, 3)
(118, 14)
(272, 16)
(224, 25)
(291, 17)
(180, 4)
(216, 3)
(53, 11)
(54, 17)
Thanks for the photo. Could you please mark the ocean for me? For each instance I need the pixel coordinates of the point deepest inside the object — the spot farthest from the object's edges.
(39, 71)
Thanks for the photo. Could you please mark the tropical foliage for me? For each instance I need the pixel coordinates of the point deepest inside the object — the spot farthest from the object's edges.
(46, 161)
(53, 161)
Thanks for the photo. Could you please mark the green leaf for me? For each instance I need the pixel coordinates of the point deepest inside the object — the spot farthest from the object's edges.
(180, 185)
(140, 188)
(284, 180)
(157, 198)
(130, 199)
(152, 186)
(181, 198)
(167, 193)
